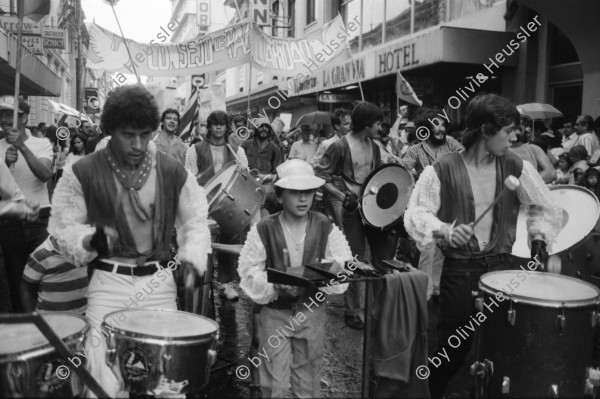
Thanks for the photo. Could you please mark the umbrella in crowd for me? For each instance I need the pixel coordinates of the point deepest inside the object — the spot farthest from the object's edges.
(538, 111)
(314, 118)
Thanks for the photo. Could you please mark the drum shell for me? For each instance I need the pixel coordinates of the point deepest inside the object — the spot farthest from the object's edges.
(232, 203)
(24, 374)
(533, 352)
(176, 359)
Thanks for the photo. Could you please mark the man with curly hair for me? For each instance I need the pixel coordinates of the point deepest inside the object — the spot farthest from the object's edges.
(115, 211)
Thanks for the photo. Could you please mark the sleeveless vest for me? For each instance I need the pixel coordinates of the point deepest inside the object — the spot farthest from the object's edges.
(100, 194)
(205, 161)
(456, 195)
(271, 234)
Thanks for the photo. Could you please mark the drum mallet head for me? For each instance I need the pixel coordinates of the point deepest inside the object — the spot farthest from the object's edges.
(372, 191)
(510, 184)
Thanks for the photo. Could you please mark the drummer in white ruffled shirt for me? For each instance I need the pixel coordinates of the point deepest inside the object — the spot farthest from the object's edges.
(457, 189)
(138, 195)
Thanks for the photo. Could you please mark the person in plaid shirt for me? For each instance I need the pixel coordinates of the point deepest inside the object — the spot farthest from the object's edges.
(434, 142)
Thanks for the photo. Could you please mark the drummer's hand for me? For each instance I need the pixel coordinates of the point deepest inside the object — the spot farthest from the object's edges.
(461, 234)
(102, 241)
(286, 292)
(350, 202)
(538, 251)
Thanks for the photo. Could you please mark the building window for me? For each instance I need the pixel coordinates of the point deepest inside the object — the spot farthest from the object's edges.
(350, 10)
(310, 11)
(291, 18)
(275, 18)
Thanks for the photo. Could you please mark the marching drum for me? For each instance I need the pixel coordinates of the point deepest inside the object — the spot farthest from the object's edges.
(384, 195)
(31, 367)
(577, 244)
(233, 196)
(536, 334)
(160, 351)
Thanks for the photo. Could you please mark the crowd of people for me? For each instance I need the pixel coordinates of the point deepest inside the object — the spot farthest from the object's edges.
(108, 200)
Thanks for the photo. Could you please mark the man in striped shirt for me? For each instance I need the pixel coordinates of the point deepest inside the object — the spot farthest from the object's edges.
(52, 282)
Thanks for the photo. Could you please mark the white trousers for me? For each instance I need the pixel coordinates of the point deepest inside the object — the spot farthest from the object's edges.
(109, 292)
(430, 263)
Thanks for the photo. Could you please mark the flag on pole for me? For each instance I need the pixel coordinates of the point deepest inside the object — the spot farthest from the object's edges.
(190, 114)
(405, 92)
(36, 9)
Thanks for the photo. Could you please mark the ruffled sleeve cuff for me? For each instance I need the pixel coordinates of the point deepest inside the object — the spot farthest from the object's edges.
(68, 219)
(339, 252)
(193, 234)
(420, 217)
(252, 270)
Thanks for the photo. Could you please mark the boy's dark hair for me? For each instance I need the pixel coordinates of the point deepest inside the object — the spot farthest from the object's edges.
(565, 157)
(336, 117)
(489, 113)
(217, 118)
(129, 106)
(169, 111)
(385, 124)
(578, 152)
(365, 114)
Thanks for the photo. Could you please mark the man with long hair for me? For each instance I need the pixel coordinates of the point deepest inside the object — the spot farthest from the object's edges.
(455, 191)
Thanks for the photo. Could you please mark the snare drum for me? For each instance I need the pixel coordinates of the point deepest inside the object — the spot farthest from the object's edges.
(233, 196)
(577, 244)
(394, 186)
(160, 351)
(536, 333)
(31, 367)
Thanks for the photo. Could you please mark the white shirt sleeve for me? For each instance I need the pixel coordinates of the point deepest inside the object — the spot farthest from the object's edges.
(544, 217)
(193, 234)
(252, 270)
(420, 218)
(68, 219)
(338, 251)
(243, 159)
(191, 161)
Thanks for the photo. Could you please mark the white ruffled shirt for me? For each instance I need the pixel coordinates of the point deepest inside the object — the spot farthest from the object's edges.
(252, 265)
(68, 221)
(191, 160)
(420, 218)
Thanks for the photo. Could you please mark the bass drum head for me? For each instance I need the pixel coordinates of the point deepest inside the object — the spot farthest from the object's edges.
(540, 289)
(581, 211)
(17, 338)
(160, 323)
(394, 186)
(219, 182)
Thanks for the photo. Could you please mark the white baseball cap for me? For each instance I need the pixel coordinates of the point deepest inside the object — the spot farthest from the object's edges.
(296, 174)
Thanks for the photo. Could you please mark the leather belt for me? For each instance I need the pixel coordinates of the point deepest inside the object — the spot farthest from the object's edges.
(128, 270)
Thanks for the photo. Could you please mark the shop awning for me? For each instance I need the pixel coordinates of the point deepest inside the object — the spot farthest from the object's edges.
(36, 78)
(441, 44)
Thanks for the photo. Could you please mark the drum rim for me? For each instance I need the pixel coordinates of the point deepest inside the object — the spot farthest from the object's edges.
(44, 349)
(130, 334)
(364, 187)
(549, 303)
(575, 245)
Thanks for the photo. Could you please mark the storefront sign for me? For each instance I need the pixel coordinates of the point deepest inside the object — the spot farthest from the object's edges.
(11, 24)
(33, 43)
(336, 98)
(54, 38)
(340, 75)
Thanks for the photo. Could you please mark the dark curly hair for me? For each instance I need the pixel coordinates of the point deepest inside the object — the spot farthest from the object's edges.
(81, 137)
(489, 113)
(129, 106)
(169, 111)
(426, 115)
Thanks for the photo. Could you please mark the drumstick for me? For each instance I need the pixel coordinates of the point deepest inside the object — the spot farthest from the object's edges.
(372, 191)
(510, 184)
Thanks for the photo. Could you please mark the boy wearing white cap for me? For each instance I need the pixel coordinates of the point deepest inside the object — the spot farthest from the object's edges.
(293, 237)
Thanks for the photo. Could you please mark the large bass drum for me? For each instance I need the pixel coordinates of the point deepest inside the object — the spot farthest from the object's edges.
(385, 195)
(536, 334)
(233, 196)
(577, 245)
(31, 367)
(156, 352)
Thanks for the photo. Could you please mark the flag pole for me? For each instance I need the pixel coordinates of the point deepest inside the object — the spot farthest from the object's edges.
(250, 64)
(112, 5)
(362, 94)
(20, 13)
